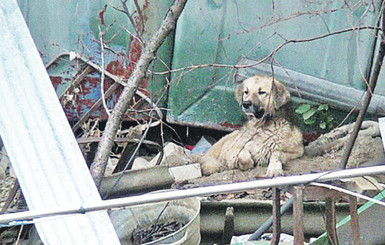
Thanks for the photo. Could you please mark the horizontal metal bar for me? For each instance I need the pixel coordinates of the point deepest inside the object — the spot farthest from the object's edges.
(202, 191)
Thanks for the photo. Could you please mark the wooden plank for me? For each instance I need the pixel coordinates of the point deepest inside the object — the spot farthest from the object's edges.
(228, 229)
(354, 222)
(276, 216)
(298, 228)
(330, 212)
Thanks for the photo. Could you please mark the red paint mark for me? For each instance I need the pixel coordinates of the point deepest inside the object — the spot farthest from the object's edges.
(118, 67)
(230, 125)
(101, 14)
(123, 67)
(56, 81)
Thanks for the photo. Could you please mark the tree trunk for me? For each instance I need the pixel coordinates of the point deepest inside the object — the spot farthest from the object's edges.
(99, 165)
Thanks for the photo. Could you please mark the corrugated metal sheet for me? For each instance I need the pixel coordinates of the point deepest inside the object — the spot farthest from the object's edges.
(42, 149)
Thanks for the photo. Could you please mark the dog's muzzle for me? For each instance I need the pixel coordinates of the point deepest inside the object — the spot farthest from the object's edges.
(248, 108)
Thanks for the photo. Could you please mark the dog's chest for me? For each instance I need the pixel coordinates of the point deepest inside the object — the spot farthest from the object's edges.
(265, 140)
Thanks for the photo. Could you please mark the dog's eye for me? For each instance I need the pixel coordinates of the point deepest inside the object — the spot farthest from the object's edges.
(260, 92)
(246, 92)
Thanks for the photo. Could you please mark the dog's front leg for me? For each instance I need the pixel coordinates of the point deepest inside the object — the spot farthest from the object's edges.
(275, 165)
(242, 160)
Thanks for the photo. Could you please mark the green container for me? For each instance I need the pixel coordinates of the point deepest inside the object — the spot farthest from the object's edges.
(221, 32)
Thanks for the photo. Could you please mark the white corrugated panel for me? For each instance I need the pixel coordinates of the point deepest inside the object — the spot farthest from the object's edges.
(41, 146)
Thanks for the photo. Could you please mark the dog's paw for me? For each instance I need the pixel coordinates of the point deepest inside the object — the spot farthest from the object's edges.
(210, 165)
(274, 169)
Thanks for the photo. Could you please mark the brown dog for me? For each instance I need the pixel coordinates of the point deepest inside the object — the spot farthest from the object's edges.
(266, 139)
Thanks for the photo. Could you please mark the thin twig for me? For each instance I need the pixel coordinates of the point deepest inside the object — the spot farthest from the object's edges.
(19, 235)
(11, 196)
(137, 38)
(77, 56)
(77, 80)
(111, 89)
(279, 19)
(101, 35)
(351, 193)
(141, 17)
(194, 67)
(129, 16)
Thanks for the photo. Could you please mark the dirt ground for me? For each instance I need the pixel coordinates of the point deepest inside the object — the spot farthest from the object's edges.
(367, 151)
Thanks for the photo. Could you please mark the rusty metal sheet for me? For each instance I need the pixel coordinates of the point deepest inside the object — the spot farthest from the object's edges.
(75, 28)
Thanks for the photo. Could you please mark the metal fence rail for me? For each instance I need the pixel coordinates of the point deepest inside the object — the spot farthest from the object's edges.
(16, 218)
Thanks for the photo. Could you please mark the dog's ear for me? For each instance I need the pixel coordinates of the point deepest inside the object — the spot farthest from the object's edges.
(281, 95)
(239, 92)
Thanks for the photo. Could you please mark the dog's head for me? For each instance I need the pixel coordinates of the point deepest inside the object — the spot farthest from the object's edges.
(261, 97)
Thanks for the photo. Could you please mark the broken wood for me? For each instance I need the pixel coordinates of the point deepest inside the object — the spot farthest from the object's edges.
(298, 228)
(354, 221)
(77, 80)
(126, 159)
(276, 216)
(11, 196)
(86, 140)
(228, 229)
(330, 211)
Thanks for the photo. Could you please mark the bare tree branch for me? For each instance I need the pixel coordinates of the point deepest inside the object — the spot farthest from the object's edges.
(193, 67)
(99, 165)
(140, 16)
(129, 16)
(367, 96)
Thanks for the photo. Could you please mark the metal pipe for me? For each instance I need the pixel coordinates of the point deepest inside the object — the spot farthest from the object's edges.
(268, 223)
(202, 191)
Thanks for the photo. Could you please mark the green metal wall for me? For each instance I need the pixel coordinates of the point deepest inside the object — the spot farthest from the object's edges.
(73, 26)
(209, 32)
(222, 32)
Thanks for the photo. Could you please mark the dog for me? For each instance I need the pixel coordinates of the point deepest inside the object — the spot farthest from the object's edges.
(268, 137)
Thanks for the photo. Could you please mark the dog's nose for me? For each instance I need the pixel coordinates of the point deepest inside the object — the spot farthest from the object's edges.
(246, 104)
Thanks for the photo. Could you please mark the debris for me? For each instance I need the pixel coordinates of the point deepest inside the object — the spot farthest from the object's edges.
(228, 229)
(140, 163)
(337, 138)
(265, 237)
(186, 172)
(202, 146)
(4, 163)
(134, 181)
(174, 155)
(111, 164)
(155, 232)
(160, 216)
(366, 185)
